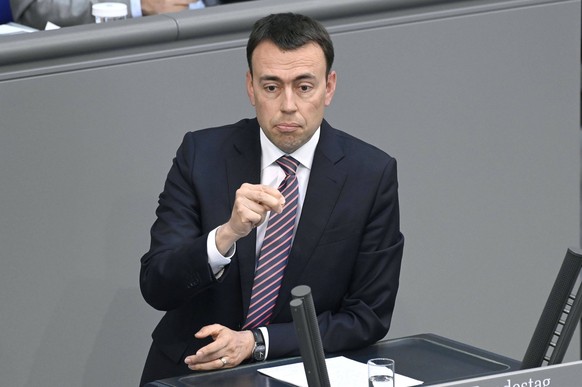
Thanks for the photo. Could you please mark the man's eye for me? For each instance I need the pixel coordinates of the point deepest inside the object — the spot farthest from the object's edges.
(271, 88)
(305, 88)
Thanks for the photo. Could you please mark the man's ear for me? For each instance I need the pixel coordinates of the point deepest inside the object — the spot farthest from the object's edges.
(250, 88)
(330, 87)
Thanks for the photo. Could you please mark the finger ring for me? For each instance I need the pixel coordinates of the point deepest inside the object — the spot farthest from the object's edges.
(223, 360)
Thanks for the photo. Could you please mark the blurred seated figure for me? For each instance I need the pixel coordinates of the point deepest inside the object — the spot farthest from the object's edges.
(64, 13)
(5, 14)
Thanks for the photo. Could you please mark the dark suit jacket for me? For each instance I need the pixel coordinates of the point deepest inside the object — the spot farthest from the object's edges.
(347, 248)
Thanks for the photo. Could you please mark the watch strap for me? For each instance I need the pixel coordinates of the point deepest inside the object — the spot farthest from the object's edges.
(259, 350)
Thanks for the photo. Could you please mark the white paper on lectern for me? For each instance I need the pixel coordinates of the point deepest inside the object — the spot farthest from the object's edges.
(341, 370)
(7, 29)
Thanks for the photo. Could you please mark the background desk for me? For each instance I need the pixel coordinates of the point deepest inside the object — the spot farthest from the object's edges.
(427, 357)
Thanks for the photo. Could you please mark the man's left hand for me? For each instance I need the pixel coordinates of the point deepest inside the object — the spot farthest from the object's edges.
(229, 348)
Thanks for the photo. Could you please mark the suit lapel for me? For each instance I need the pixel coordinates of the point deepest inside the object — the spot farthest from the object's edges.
(244, 166)
(325, 184)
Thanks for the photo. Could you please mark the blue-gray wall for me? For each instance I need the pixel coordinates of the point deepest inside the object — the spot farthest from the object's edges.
(478, 101)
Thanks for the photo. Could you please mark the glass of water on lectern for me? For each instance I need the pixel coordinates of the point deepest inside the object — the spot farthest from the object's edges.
(381, 372)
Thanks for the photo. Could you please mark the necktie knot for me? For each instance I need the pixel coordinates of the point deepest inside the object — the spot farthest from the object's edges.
(288, 164)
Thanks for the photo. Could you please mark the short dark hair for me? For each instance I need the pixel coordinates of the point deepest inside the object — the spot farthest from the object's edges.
(290, 31)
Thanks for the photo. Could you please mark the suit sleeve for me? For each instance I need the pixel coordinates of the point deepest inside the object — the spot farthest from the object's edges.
(176, 267)
(366, 308)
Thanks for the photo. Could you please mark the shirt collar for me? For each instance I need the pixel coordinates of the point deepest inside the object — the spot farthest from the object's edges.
(270, 153)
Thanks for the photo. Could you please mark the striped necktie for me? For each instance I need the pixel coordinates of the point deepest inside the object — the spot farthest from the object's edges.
(275, 250)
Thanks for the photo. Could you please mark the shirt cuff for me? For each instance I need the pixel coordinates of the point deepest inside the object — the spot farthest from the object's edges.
(216, 260)
(197, 5)
(135, 6)
(265, 333)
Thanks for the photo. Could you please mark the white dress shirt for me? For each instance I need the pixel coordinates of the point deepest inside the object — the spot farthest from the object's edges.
(272, 175)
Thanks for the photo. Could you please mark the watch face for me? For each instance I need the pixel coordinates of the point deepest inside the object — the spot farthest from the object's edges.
(259, 354)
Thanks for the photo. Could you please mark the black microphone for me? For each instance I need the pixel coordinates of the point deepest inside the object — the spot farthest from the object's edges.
(310, 345)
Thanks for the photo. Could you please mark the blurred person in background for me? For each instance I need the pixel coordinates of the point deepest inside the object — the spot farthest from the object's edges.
(64, 13)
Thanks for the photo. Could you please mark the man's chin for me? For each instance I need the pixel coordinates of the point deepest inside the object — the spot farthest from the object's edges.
(287, 145)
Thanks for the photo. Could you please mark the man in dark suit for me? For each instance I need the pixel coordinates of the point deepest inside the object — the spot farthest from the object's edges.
(221, 193)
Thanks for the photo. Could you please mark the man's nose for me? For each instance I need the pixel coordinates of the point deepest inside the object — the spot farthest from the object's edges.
(288, 103)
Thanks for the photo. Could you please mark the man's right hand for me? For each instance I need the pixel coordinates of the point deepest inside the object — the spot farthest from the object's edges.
(251, 205)
(156, 7)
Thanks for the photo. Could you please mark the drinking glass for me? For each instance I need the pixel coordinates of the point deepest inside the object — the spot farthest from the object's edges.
(381, 372)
